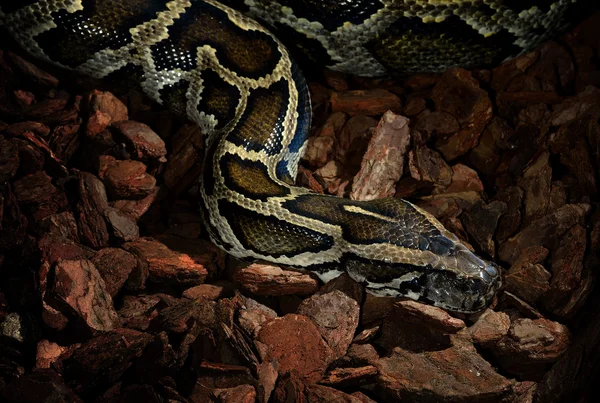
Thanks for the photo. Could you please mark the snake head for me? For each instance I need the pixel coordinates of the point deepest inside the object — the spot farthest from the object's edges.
(458, 282)
(467, 286)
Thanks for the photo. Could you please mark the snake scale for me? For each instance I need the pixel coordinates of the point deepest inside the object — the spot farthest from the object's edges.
(236, 80)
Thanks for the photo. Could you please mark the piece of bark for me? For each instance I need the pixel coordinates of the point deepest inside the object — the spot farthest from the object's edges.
(320, 148)
(137, 208)
(102, 361)
(297, 345)
(34, 76)
(47, 353)
(128, 180)
(341, 377)
(375, 308)
(585, 103)
(38, 196)
(530, 346)
(427, 166)
(336, 316)
(480, 221)
(90, 210)
(576, 155)
(353, 139)
(56, 248)
(184, 155)
(264, 279)
(536, 184)
(78, 285)
(96, 124)
(434, 317)
(210, 292)
(543, 231)
(347, 285)
(253, 315)
(455, 373)
(464, 179)
(527, 280)
(459, 94)
(241, 394)
(575, 374)
(490, 327)
(60, 225)
(417, 327)
(166, 265)
(136, 312)
(383, 162)
(142, 142)
(17, 129)
(323, 394)
(510, 221)
(114, 265)
(414, 106)
(107, 103)
(437, 123)
(566, 264)
(64, 141)
(120, 225)
(365, 102)
(486, 156)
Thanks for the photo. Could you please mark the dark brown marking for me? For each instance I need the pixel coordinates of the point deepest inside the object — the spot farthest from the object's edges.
(261, 126)
(127, 75)
(175, 98)
(269, 236)
(249, 178)
(410, 45)
(249, 53)
(333, 14)
(102, 24)
(219, 98)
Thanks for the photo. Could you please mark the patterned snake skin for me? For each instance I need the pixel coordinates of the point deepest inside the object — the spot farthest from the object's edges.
(234, 79)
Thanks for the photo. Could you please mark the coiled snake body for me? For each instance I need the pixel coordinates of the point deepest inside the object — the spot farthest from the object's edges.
(237, 81)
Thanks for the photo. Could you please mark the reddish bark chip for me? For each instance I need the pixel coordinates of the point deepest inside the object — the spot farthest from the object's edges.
(530, 346)
(455, 373)
(382, 164)
(336, 316)
(264, 279)
(114, 265)
(38, 196)
(297, 345)
(141, 139)
(78, 284)
(108, 104)
(365, 102)
(166, 265)
(128, 180)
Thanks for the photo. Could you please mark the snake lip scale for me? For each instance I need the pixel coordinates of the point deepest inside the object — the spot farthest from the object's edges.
(237, 81)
